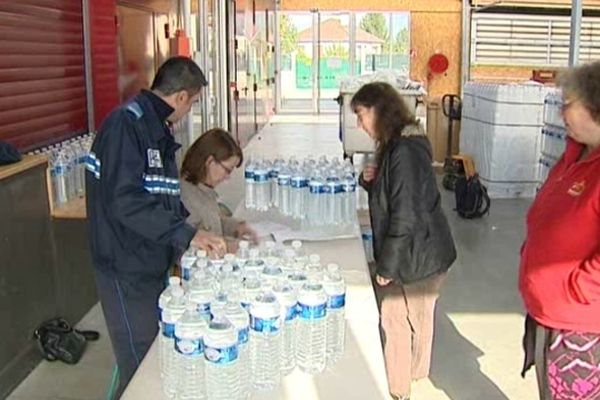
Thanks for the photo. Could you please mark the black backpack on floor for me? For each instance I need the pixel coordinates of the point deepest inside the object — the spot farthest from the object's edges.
(472, 200)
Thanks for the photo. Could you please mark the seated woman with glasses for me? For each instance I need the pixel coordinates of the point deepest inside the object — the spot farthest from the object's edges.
(209, 161)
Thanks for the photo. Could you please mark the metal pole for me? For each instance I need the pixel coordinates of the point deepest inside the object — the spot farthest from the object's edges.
(391, 41)
(187, 27)
(319, 63)
(202, 58)
(315, 61)
(352, 44)
(465, 74)
(220, 70)
(576, 15)
(277, 58)
(89, 87)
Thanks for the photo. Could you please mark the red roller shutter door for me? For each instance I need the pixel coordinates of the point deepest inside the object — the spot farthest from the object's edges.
(42, 74)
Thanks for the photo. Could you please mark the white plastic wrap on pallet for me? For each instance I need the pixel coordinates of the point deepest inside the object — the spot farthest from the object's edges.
(500, 129)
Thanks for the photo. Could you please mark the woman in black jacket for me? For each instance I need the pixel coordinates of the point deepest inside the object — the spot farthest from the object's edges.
(412, 240)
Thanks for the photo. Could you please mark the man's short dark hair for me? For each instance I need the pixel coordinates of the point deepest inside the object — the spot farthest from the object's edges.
(177, 74)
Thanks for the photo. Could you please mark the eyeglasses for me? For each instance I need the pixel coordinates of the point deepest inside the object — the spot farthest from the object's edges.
(566, 103)
(227, 169)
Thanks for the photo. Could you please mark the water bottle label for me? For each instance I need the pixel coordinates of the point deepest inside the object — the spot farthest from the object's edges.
(349, 188)
(291, 312)
(186, 273)
(316, 188)
(273, 174)
(246, 306)
(327, 189)
(203, 308)
(337, 188)
(160, 310)
(60, 170)
(249, 174)
(264, 325)
(312, 312)
(189, 347)
(168, 330)
(284, 181)
(243, 335)
(261, 177)
(299, 183)
(335, 302)
(223, 356)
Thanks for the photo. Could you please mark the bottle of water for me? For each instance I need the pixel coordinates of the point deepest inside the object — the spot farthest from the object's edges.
(297, 280)
(299, 194)
(270, 249)
(265, 342)
(262, 187)
(335, 288)
(284, 184)
(329, 198)
(166, 295)
(170, 315)
(243, 253)
(229, 280)
(271, 273)
(315, 199)
(201, 292)
(314, 269)
(300, 253)
(61, 178)
(240, 319)
(255, 264)
(311, 344)
(235, 267)
(273, 178)
(286, 296)
(249, 178)
(288, 262)
(187, 264)
(348, 198)
(222, 360)
(189, 345)
(252, 287)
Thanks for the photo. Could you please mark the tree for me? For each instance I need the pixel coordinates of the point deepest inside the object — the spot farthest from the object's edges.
(335, 51)
(401, 44)
(375, 24)
(288, 34)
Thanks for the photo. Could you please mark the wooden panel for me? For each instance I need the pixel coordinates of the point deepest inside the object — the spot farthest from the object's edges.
(587, 4)
(25, 164)
(433, 33)
(373, 5)
(502, 73)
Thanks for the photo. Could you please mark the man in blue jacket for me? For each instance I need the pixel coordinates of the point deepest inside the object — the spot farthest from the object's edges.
(137, 221)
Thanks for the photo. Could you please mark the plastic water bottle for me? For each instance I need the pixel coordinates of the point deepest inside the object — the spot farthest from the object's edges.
(299, 194)
(170, 315)
(243, 253)
(273, 178)
(300, 253)
(251, 289)
(271, 273)
(166, 295)
(189, 345)
(288, 262)
(262, 187)
(314, 269)
(240, 319)
(222, 360)
(335, 288)
(315, 199)
(187, 264)
(230, 282)
(61, 178)
(265, 341)
(284, 183)
(270, 249)
(348, 198)
(331, 191)
(286, 296)
(255, 264)
(297, 280)
(249, 178)
(312, 320)
(201, 292)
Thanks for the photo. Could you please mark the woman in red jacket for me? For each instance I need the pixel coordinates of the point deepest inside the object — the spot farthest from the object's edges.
(560, 259)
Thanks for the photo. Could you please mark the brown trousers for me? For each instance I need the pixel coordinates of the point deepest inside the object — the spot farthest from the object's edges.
(406, 323)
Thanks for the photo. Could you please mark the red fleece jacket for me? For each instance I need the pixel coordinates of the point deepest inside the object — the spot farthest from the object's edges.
(559, 276)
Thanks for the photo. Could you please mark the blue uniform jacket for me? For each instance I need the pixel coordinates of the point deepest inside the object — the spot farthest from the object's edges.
(137, 221)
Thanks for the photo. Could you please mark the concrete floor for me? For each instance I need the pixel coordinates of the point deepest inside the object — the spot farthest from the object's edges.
(477, 348)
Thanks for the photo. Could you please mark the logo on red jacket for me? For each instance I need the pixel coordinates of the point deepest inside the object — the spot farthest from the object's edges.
(577, 189)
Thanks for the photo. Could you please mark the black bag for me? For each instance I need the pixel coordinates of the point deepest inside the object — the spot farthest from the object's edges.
(8, 154)
(472, 200)
(57, 340)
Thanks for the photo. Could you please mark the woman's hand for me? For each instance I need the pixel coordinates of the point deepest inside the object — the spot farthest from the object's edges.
(214, 245)
(244, 231)
(369, 173)
(381, 281)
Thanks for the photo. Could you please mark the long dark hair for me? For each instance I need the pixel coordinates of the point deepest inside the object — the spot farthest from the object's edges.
(215, 142)
(391, 112)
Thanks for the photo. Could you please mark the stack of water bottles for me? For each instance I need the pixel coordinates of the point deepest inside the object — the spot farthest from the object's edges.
(319, 193)
(67, 167)
(236, 325)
